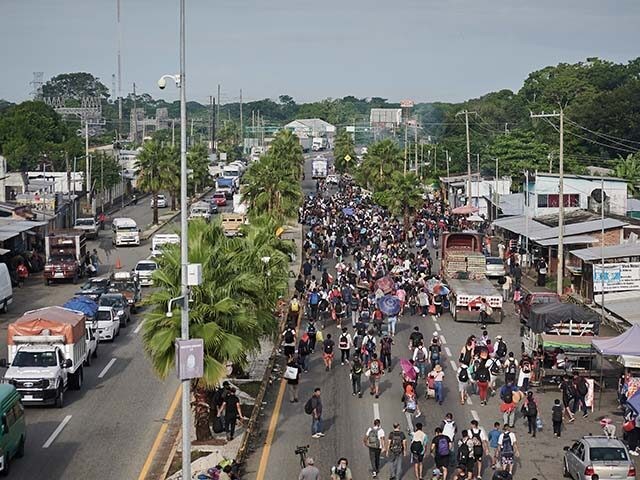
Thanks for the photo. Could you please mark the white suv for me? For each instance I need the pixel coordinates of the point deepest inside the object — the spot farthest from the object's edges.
(108, 324)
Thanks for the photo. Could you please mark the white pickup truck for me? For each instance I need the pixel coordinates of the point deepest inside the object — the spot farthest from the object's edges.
(47, 349)
(88, 225)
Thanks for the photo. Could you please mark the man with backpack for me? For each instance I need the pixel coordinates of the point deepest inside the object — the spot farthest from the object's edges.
(508, 406)
(375, 372)
(312, 331)
(507, 448)
(415, 338)
(510, 367)
(344, 344)
(441, 450)
(356, 376)
(294, 310)
(289, 341)
(313, 407)
(530, 411)
(327, 352)
(480, 445)
(368, 346)
(420, 355)
(465, 457)
(482, 378)
(385, 351)
(449, 427)
(314, 300)
(397, 450)
(463, 382)
(434, 352)
(500, 348)
(374, 440)
(416, 447)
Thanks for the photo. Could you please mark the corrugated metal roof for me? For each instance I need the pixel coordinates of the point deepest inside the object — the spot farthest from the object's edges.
(579, 228)
(570, 240)
(622, 304)
(518, 225)
(612, 251)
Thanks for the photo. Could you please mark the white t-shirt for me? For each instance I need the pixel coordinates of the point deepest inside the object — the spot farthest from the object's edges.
(511, 434)
(483, 434)
(380, 434)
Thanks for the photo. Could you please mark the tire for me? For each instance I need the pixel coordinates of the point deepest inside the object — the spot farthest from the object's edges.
(6, 469)
(565, 470)
(60, 398)
(20, 450)
(47, 281)
(5, 307)
(75, 278)
(95, 352)
(87, 361)
(78, 379)
(501, 319)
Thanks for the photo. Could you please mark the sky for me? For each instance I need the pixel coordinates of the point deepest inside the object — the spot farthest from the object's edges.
(424, 50)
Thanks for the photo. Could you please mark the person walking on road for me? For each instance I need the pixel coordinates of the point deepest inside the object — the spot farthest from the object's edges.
(304, 350)
(289, 341)
(327, 352)
(385, 351)
(438, 380)
(480, 445)
(356, 376)
(375, 370)
(465, 457)
(530, 411)
(374, 440)
(568, 394)
(314, 404)
(411, 407)
(506, 288)
(508, 448)
(420, 356)
(463, 382)
(494, 436)
(232, 412)
(417, 448)
(310, 472)
(441, 447)
(397, 451)
(293, 378)
(344, 344)
(557, 414)
(581, 388)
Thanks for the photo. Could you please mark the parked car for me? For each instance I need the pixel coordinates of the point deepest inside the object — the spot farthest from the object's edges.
(533, 299)
(120, 304)
(220, 199)
(161, 200)
(144, 269)
(604, 456)
(495, 267)
(88, 225)
(14, 431)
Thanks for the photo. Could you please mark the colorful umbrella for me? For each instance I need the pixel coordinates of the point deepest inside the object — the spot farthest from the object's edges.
(408, 369)
(386, 284)
(440, 289)
(465, 210)
(348, 211)
(389, 305)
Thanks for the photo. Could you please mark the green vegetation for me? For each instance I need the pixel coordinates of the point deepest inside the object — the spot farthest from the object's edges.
(378, 165)
(344, 148)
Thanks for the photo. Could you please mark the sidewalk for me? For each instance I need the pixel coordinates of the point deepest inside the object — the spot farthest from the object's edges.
(260, 370)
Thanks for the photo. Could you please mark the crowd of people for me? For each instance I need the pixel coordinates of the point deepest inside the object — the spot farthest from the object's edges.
(376, 255)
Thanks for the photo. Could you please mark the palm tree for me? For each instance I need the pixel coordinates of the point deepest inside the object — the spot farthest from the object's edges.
(629, 169)
(232, 310)
(403, 196)
(382, 159)
(150, 164)
(272, 188)
(286, 148)
(343, 147)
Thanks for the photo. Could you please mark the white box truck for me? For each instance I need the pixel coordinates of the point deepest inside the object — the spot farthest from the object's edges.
(319, 169)
(46, 351)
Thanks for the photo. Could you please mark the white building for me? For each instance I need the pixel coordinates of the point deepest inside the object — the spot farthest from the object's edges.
(311, 127)
(578, 193)
(55, 182)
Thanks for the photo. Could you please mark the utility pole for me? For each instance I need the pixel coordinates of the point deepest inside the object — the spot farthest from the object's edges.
(560, 268)
(405, 148)
(119, 64)
(218, 109)
(526, 216)
(214, 124)
(466, 122)
(102, 183)
(86, 159)
(173, 133)
(135, 115)
(211, 149)
(446, 152)
(415, 156)
(602, 204)
(478, 164)
(550, 162)
(241, 123)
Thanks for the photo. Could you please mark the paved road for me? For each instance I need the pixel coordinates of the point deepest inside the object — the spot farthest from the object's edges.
(111, 423)
(346, 418)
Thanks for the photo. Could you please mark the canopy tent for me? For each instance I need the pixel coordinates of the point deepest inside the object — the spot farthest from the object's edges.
(562, 316)
(627, 343)
(634, 402)
(475, 218)
(465, 210)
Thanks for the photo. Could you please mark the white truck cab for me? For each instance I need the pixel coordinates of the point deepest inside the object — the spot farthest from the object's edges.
(108, 323)
(200, 210)
(161, 239)
(144, 269)
(125, 232)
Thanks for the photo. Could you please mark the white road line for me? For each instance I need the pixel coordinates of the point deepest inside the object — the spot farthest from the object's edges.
(438, 327)
(376, 411)
(434, 318)
(448, 350)
(106, 368)
(453, 364)
(139, 326)
(443, 340)
(475, 416)
(56, 432)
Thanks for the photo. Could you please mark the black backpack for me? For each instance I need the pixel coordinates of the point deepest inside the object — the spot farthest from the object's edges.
(508, 396)
(417, 448)
(343, 343)
(288, 336)
(478, 451)
(511, 368)
(501, 351)
(482, 375)
(583, 388)
(531, 409)
(463, 454)
(308, 407)
(463, 376)
(395, 442)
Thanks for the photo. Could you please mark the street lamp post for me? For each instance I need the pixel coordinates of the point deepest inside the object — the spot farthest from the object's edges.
(184, 252)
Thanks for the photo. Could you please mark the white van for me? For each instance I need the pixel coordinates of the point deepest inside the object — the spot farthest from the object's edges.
(200, 210)
(6, 290)
(161, 239)
(125, 232)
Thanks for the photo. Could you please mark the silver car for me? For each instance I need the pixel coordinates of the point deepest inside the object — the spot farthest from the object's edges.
(607, 457)
(495, 267)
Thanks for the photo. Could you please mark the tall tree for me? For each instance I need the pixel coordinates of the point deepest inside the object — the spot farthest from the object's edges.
(198, 163)
(629, 169)
(402, 196)
(76, 86)
(344, 148)
(151, 165)
(382, 159)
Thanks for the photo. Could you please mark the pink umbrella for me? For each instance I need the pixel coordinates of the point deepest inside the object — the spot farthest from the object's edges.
(408, 369)
(465, 210)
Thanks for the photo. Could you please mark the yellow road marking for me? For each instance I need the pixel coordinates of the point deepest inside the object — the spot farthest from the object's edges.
(271, 432)
(163, 428)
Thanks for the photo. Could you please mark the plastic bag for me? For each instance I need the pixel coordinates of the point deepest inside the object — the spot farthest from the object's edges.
(539, 424)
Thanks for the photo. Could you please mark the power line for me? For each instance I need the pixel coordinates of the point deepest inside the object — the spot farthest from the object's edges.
(595, 142)
(604, 135)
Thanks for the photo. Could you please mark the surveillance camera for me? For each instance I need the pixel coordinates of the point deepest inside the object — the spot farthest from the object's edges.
(162, 83)
(169, 314)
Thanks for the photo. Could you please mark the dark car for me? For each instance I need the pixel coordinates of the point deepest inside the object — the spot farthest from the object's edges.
(94, 288)
(534, 299)
(120, 305)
